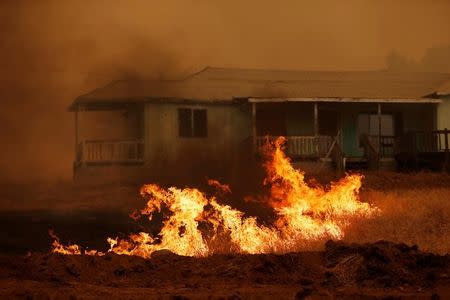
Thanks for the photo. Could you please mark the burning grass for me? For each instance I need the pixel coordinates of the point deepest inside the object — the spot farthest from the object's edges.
(411, 209)
(305, 215)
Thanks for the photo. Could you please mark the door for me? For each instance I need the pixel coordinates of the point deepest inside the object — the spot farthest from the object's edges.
(356, 124)
(370, 124)
(350, 136)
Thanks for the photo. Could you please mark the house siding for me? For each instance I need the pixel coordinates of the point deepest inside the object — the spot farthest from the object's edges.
(443, 113)
(168, 153)
(111, 124)
(300, 119)
(418, 117)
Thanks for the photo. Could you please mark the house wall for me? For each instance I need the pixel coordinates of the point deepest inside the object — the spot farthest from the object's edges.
(417, 116)
(299, 119)
(443, 113)
(169, 154)
(110, 124)
(226, 149)
(290, 119)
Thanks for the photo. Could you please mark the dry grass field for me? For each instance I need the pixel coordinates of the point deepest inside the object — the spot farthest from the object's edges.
(413, 209)
(418, 216)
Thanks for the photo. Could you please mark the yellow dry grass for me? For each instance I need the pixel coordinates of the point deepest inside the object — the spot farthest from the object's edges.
(412, 216)
(414, 209)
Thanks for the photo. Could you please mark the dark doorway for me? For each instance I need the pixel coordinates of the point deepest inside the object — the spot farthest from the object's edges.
(328, 122)
(271, 120)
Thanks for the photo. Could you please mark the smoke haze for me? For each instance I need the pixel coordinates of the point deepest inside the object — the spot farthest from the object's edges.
(53, 51)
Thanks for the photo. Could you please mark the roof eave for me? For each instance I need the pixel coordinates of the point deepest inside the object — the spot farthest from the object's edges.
(346, 100)
(86, 101)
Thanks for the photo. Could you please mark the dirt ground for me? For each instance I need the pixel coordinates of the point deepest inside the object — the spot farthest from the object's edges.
(344, 271)
(415, 210)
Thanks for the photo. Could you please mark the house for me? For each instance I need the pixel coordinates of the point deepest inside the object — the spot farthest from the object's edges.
(212, 122)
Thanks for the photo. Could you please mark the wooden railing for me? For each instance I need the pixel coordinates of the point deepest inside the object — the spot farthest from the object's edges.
(431, 141)
(110, 151)
(384, 144)
(302, 146)
(370, 152)
(337, 155)
(426, 149)
(424, 141)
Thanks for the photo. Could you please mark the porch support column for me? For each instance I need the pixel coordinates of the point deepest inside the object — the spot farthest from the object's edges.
(379, 135)
(316, 128)
(379, 125)
(79, 138)
(254, 127)
(316, 119)
(76, 131)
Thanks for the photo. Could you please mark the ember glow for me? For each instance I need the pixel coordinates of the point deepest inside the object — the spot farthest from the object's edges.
(200, 226)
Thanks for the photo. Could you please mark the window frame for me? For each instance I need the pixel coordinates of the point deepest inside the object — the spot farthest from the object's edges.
(192, 130)
(369, 116)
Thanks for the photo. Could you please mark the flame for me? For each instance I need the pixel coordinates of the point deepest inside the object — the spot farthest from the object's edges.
(305, 212)
(71, 249)
(304, 215)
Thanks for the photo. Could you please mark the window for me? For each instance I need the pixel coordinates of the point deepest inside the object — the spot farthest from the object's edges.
(185, 122)
(369, 124)
(200, 123)
(192, 122)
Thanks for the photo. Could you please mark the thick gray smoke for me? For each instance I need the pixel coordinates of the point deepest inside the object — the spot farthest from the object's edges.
(52, 51)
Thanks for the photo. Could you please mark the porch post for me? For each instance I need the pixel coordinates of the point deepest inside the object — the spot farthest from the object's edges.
(76, 131)
(379, 126)
(447, 151)
(316, 120)
(254, 127)
(316, 128)
(379, 136)
(79, 134)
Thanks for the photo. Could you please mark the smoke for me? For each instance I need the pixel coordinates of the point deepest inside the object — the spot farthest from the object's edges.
(51, 51)
(435, 59)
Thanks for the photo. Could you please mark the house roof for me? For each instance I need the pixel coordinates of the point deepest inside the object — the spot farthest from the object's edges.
(221, 84)
(444, 89)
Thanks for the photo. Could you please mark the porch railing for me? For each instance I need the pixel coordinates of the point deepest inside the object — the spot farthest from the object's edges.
(302, 146)
(371, 151)
(110, 151)
(384, 144)
(424, 141)
(431, 141)
(425, 149)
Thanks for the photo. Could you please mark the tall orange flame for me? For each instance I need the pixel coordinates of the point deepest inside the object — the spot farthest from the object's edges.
(304, 215)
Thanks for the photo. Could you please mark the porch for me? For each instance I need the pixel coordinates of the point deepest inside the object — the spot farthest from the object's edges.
(424, 149)
(307, 139)
(348, 134)
(108, 134)
(413, 150)
(302, 147)
(96, 152)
